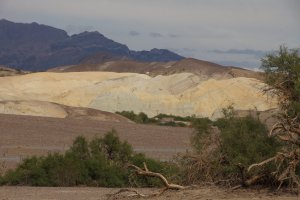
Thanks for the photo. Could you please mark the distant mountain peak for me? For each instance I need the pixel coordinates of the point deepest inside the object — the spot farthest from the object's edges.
(37, 47)
(88, 33)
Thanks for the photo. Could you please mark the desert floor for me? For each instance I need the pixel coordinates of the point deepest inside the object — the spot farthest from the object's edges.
(23, 136)
(87, 193)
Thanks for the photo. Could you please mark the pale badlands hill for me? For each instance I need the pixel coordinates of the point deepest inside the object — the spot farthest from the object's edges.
(49, 109)
(181, 94)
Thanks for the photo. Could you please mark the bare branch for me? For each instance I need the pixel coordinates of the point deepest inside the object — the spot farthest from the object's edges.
(146, 172)
(262, 163)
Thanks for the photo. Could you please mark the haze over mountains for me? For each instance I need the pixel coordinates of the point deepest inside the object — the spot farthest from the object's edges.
(38, 47)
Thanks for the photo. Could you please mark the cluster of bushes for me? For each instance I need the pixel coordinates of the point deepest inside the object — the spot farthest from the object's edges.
(142, 118)
(100, 162)
(223, 150)
(226, 147)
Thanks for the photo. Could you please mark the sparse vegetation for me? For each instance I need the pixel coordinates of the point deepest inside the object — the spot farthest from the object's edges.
(160, 119)
(140, 118)
(223, 151)
(225, 148)
(100, 162)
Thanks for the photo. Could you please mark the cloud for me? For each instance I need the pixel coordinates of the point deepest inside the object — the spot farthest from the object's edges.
(256, 53)
(244, 64)
(134, 33)
(172, 35)
(1, 5)
(156, 35)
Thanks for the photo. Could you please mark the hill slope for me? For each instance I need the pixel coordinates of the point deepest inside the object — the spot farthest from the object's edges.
(204, 69)
(180, 94)
(5, 71)
(48, 109)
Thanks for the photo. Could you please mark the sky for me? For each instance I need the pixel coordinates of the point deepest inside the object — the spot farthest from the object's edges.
(228, 32)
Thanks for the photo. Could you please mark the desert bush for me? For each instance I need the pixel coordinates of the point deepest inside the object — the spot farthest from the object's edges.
(100, 162)
(2, 181)
(224, 148)
(202, 128)
(176, 118)
(244, 141)
(140, 118)
(29, 172)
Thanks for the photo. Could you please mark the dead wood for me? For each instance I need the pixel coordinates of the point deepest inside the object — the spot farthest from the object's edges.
(287, 130)
(147, 172)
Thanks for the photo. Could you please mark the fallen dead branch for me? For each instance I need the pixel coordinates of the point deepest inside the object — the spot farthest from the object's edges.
(146, 172)
(261, 163)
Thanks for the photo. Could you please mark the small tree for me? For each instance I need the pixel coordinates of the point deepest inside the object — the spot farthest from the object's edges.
(282, 74)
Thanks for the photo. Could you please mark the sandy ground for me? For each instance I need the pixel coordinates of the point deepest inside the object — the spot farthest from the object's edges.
(87, 193)
(22, 136)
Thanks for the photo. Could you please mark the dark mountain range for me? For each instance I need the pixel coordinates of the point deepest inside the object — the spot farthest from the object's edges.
(38, 47)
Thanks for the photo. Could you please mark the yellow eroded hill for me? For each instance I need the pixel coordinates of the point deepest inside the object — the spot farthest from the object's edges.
(178, 94)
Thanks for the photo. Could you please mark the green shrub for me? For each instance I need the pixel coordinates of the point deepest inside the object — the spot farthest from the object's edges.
(29, 172)
(2, 181)
(100, 162)
(227, 146)
(201, 127)
(114, 149)
(244, 142)
(176, 118)
(140, 118)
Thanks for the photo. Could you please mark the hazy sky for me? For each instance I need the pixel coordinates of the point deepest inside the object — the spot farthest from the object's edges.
(232, 32)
